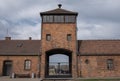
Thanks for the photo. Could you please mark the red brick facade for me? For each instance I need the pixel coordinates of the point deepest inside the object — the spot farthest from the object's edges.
(18, 64)
(97, 66)
(88, 58)
(58, 40)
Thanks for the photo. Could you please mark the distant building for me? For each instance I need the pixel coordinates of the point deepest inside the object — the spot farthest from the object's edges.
(86, 58)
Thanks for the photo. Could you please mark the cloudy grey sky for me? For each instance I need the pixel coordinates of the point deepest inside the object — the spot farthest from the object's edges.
(97, 19)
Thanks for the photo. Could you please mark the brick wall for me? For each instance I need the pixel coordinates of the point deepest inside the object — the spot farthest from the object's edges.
(97, 66)
(58, 40)
(18, 63)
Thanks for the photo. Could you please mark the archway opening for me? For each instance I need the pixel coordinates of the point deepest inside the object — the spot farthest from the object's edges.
(58, 63)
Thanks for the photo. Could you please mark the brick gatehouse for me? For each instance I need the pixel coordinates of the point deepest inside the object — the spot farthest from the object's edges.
(59, 54)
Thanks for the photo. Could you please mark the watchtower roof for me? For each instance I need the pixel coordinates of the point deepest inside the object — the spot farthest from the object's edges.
(58, 11)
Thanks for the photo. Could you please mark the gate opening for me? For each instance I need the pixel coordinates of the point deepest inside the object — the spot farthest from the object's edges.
(58, 64)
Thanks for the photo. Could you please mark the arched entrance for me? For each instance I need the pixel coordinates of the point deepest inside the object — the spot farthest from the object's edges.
(58, 63)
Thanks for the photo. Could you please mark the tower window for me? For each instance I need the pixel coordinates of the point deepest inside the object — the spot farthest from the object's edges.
(110, 65)
(27, 65)
(69, 19)
(58, 18)
(48, 37)
(69, 37)
(48, 18)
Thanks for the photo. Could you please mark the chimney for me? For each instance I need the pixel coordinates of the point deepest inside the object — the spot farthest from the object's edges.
(7, 38)
(30, 38)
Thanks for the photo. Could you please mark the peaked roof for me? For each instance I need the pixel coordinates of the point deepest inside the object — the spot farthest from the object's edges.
(99, 47)
(58, 11)
(19, 47)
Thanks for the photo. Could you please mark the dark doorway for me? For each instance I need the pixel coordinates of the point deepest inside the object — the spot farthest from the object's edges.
(7, 68)
(58, 63)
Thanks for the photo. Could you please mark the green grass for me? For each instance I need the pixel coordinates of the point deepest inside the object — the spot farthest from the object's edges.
(98, 80)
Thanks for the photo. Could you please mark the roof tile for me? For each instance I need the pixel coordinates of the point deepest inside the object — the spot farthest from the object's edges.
(19, 47)
(99, 47)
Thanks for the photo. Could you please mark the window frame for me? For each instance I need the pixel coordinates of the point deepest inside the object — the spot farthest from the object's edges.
(59, 18)
(70, 18)
(48, 19)
(69, 37)
(110, 64)
(48, 37)
(27, 64)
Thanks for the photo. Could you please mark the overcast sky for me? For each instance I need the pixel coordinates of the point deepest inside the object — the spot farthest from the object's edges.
(97, 19)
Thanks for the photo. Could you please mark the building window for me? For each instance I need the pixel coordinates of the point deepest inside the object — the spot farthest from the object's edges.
(70, 19)
(110, 65)
(87, 61)
(69, 37)
(59, 19)
(48, 37)
(27, 65)
(48, 18)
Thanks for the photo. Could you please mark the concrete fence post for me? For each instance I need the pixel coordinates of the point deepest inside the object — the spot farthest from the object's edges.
(33, 75)
(13, 75)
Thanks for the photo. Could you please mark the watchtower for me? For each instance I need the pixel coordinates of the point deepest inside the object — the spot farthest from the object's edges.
(58, 43)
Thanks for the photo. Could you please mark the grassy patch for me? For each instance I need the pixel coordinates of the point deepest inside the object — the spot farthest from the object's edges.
(98, 80)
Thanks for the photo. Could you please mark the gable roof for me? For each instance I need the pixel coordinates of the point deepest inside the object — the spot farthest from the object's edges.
(19, 47)
(99, 47)
(58, 11)
(85, 47)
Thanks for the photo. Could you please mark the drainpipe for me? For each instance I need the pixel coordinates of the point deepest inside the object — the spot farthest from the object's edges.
(39, 59)
(80, 66)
